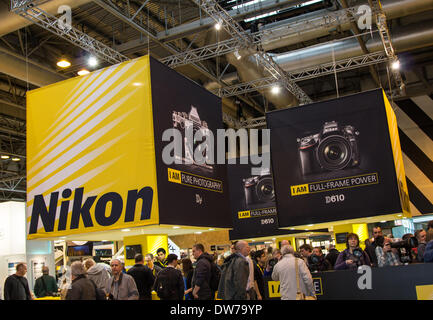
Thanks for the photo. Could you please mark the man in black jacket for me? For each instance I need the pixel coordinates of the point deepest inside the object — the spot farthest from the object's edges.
(169, 281)
(81, 288)
(371, 248)
(202, 274)
(143, 277)
(16, 285)
(332, 255)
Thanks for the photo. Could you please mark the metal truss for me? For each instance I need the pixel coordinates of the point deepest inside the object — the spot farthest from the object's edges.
(386, 41)
(29, 10)
(327, 21)
(244, 40)
(305, 74)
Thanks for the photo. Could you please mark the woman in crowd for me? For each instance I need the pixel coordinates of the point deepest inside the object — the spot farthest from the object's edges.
(187, 271)
(353, 256)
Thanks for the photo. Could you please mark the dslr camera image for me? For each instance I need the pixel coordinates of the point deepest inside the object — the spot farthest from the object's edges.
(191, 120)
(333, 148)
(259, 189)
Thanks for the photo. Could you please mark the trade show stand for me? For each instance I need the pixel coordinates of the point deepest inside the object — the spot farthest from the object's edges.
(410, 282)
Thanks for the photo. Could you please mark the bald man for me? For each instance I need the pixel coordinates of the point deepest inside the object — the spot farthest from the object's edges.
(45, 285)
(235, 273)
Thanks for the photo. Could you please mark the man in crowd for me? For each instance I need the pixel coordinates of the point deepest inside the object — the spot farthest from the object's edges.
(259, 268)
(120, 286)
(318, 262)
(160, 258)
(386, 256)
(306, 251)
(97, 273)
(332, 255)
(81, 287)
(202, 274)
(151, 264)
(421, 237)
(251, 291)
(235, 272)
(143, 277)
(16, 286)
(371, 249)
(169, 283)
(45, 285)
(285, 272)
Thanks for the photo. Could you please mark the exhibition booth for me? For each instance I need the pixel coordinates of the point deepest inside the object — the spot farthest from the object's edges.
(122, 157)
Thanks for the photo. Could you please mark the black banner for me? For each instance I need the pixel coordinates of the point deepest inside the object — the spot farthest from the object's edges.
(190, 192)
(411, 282)
(252, 200)
(333, 161)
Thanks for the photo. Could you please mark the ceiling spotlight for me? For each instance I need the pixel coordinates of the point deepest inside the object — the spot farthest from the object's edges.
(198, 232)
(176, 227)
(383, 221)
(126, 230)
(211, 229)
(395, 65)
(5, 156)
(237, 55)
(93, 62)
(16, 159)
(218, 26)
(63, 63)
(275, 89)
(83, 72)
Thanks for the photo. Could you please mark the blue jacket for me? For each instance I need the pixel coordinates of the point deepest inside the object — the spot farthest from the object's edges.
(428, 253)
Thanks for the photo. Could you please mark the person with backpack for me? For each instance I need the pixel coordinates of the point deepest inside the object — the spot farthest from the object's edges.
(45, 285)
(169, 281)
(201, 279)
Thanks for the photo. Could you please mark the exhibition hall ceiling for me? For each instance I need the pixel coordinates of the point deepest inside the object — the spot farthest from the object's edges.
(312, 41)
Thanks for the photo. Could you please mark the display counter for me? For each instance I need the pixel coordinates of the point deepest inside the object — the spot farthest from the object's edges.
(411, 282)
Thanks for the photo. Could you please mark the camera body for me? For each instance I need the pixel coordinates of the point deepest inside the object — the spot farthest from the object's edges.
(333, 148)
(259, 189)
(191, 122)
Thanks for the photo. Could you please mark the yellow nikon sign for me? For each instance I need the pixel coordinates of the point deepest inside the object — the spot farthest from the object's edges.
(91, 153)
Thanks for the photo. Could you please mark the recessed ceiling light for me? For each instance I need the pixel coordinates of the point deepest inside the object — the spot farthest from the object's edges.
(126, 230)
(176, 227)
(292, 228)
(310, 225)
(211, 229)
(218, 26)
(274, 238)
(5, 156)
(16, 159)
(198, 232)
(63, 63)
(83, 72)
(383, 221)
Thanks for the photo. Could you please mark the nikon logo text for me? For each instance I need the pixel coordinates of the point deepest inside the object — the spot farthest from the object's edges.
(81, 208)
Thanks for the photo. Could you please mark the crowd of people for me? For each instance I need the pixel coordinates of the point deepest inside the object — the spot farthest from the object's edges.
(238, 276)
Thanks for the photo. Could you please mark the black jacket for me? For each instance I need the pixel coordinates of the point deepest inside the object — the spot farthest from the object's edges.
(144, 280)
(202, 275)
(371, 251)
(172, 279)
(16, 288)
(332, 256)
(81, 289)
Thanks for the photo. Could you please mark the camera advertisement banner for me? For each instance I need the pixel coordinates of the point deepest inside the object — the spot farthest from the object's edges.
(337, 160)
(192, 190)
(252, 201)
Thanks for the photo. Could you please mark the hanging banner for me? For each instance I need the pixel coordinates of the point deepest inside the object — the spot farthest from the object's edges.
(94, 153)
(337, 160)
(252, 201)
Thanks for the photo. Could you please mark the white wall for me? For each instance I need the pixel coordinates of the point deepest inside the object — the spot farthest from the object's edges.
(13, 244)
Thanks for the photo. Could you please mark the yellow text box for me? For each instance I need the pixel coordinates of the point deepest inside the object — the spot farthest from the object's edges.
(299, 189)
